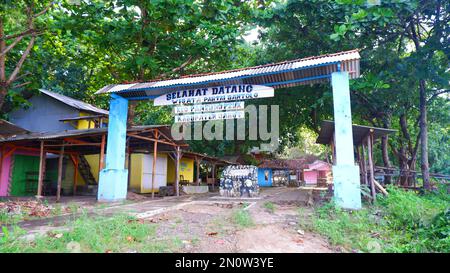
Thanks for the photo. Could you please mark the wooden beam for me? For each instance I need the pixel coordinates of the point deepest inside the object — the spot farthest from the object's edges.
(154, 139)
(41, 170)
(214, 174)
(197, 161)
(371, 172)
(378, 185)
(129, 165)
(177, 171)
(102, 154)
(75, 161)
(60, 163)
(74, 144)
(364, 164)
(10, 152)
(333, 150)
(78, 141)
(155, 151)
(38, 149)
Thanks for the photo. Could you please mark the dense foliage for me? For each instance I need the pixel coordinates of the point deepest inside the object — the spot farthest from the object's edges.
(404, 221)
(80, 46)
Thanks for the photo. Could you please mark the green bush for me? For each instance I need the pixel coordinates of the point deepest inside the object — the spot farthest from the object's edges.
(242, 218)
(403, 221)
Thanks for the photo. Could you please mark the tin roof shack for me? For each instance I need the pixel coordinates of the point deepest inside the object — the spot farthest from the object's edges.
(317, 173)
(53, 112)
(283, 172)
(363, 139)
(30, 163)
(74, 153)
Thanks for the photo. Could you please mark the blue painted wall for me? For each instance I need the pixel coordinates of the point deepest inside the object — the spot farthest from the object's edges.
(43, 115)
(262, 182)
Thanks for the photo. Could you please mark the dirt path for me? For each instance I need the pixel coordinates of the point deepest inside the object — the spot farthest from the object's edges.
(209, 227)
(207, 223)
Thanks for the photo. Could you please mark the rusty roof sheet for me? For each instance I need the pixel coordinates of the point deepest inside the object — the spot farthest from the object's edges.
(9, 129)
(73, 133)
(359, 132)
(77, 104)
(288, 164)
(283, 74)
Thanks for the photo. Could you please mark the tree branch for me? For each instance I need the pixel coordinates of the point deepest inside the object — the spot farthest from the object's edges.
(44, 10)
(183, 65)
(24, 33)
(435, 95)
(13, 44)
(21, 85)
(25, 54)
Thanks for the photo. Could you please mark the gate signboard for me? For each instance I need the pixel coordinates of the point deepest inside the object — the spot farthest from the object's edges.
(210, 116)
(215, 94)
(211, 107)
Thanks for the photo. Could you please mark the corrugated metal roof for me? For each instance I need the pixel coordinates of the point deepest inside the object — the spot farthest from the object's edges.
(359, 132)
(9, 129)
(80, 105)
(71, 133)
(284, 74)
(290, 164)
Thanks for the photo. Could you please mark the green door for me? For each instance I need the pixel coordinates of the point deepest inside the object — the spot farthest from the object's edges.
(25, 175)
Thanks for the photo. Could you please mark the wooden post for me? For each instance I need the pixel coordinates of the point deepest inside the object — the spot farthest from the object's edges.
(41, 170)
(177, 171)
(101, 159)
(155, 150)
(129, 164)
(370, 156)
(75, 173)
(364, 164)
(60, 163)
(197, 161)
(333, 150)
(214, 174)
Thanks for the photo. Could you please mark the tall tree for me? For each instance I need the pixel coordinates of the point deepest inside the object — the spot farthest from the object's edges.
(17, 25)
(422, 29)
(391, 64)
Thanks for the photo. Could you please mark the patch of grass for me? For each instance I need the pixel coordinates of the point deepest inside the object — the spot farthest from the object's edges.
(404, 221)
(73, 207)
(269, 206)
(10, 219)
(57, 210)
(242, 218)
(119, 233)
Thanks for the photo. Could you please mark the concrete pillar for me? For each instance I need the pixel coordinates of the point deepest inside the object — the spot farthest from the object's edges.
(112, 185)
(347, 192)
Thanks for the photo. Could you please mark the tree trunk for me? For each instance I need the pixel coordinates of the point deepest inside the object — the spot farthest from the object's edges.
(424, 136)
(3, 87)
(385, 153)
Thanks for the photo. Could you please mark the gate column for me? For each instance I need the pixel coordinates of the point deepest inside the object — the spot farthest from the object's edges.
(347, 192)
(112, 184)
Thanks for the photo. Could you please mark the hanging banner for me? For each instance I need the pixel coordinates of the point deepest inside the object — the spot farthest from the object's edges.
(213, 107)
(215, 94)
(210, 116)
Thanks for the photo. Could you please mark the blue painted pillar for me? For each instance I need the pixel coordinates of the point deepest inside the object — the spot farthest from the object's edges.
(112, 184)
(347, 192)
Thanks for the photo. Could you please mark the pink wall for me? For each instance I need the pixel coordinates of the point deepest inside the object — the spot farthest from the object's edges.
(310, 177)
(4, 176)
(7, 170)
(311, 173)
